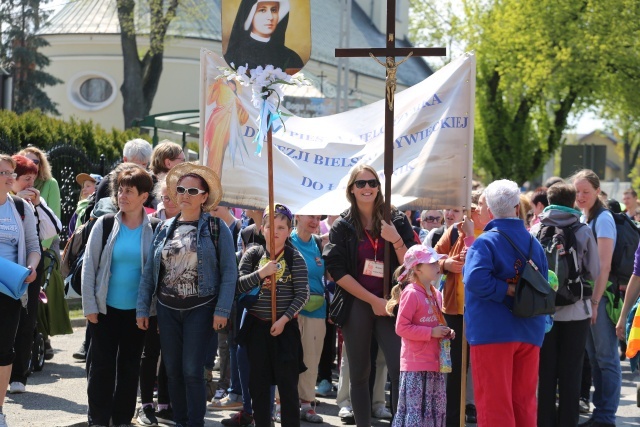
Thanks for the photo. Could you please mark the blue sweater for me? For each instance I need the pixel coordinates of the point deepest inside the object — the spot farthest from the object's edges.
(491, 264)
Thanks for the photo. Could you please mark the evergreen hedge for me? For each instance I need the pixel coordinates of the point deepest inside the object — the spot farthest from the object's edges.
(45, 132)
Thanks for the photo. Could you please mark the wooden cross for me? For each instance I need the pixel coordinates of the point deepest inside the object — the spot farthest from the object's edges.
(390, 52)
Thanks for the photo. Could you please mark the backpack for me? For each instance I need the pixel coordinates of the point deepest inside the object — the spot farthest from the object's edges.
(560, 247)
(73, 255)
(440, 232)
(19, 205)
(627, 241)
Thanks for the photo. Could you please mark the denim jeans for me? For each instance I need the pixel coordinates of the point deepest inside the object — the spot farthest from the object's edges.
(602, 346)
(182, 333)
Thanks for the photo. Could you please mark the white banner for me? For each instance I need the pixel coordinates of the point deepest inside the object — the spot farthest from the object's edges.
(433, 148)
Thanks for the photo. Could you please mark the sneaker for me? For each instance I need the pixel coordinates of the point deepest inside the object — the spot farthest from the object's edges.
(3, 421)
(81, 353)
(585, 408)
(381, 413)
(239, 419)
(226, 403)
(48, 351)
(470, 414)
(165, 416)
(324, 388)
(17, 388)
(346, 415)
(309, 415)
(219, 394)
(147, 416)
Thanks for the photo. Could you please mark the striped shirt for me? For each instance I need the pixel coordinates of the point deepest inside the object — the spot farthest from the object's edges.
(292, 283)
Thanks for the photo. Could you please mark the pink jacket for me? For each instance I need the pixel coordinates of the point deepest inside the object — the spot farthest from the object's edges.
(420, 352)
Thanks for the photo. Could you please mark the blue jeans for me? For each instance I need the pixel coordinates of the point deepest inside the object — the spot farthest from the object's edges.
(602, 346)
(182, 333)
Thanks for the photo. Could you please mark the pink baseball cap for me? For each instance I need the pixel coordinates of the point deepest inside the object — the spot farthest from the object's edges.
(419, 254)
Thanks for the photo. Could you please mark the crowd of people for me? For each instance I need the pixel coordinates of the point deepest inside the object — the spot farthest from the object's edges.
(172, 282)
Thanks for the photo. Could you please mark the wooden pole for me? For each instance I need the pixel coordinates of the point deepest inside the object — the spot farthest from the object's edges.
(272, 241)
(463, 377)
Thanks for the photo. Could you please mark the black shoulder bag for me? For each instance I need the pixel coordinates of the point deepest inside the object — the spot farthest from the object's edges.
(533, 296)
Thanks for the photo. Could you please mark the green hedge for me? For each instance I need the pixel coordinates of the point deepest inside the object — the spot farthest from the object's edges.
(35, 127)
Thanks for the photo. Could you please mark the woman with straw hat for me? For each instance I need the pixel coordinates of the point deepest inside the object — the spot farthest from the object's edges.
(192, 272)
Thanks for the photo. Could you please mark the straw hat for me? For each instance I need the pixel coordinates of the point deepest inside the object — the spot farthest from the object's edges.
(209, 176)
(82, 177)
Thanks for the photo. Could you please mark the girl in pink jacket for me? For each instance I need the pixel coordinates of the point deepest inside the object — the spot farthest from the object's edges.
(421, 325)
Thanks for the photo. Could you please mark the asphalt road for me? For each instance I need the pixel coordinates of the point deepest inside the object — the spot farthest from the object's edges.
(57, 395)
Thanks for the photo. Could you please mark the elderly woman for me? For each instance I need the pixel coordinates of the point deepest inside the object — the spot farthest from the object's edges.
(110, 280)
(497, 337)
(18, 244)
(26, 173)
(354, 257)
(191, 269)
(166, 155)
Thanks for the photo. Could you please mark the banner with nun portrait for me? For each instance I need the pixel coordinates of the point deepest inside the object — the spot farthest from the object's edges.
(313, 156)
(266, 32)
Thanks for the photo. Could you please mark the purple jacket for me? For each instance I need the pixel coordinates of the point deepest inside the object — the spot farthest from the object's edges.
(414, 323)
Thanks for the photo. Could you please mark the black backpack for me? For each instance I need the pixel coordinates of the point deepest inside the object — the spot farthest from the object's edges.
(627, 241)
(560, 247)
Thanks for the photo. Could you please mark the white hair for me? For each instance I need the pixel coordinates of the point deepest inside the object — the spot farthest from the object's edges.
(502, 197)
(137, 149)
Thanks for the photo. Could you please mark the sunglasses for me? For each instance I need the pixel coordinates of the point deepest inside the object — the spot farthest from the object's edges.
(433, 219)
(36, 161)
(373, 183)
(165, 199)
(190, 191)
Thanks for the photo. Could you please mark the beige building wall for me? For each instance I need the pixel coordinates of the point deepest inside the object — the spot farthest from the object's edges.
(74, 57)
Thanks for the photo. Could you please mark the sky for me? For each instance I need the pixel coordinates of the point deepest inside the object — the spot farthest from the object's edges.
(585, 123)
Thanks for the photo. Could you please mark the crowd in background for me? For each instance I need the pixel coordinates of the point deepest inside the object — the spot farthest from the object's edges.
(173, 286)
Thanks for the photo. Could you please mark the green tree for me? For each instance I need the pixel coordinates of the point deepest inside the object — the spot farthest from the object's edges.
(537, 62)
(142, 72)
(20, 21)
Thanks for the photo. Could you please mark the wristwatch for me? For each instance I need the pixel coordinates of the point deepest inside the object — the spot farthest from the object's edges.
(595, 301)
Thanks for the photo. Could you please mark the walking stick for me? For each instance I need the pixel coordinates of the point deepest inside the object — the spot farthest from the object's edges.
(272, 241)
(463, 376)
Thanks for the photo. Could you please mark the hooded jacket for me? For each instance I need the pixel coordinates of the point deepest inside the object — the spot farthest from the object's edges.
(586, 250)
(420, 351)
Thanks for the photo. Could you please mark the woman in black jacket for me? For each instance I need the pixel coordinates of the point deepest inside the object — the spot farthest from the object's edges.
(354, 258)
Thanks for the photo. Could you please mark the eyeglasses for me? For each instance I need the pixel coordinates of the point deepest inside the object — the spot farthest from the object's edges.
(190, 191)
(433, 219)
(373, 183)
(8, 173)
(165, 199)
(182, 159)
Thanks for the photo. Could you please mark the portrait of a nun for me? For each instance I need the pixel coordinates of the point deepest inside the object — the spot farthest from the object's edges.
(258, 35)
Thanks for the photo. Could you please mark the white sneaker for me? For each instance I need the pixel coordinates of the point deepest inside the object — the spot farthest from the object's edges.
(16, 388)
(345, 411)
(381, 413)
(3, 421)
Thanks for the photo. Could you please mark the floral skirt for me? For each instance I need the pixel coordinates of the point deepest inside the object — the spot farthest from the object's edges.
(422, 401)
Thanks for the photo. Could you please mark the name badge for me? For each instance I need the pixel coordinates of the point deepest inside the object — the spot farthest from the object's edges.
(373, 268)
(319, 261)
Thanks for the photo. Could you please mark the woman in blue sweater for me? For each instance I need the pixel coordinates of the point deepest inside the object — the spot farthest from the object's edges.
(505, 349)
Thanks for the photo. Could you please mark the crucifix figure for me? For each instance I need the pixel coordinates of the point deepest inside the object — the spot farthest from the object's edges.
(390, 52)
(392, 82)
